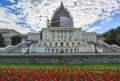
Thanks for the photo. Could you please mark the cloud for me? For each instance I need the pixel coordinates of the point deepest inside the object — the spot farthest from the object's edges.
(83, 12)
(7, 20)
(6, 16)
(93, 29)
(86, 12)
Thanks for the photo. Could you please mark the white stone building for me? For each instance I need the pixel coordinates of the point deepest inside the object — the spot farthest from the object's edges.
(60, 36)
(8, 33)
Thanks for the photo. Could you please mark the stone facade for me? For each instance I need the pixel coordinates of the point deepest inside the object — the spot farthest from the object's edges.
(64, 40)
(65, 59)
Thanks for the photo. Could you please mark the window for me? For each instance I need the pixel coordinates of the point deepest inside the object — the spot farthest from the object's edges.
(67, 44)
(65, 36)
(45, 43)
(75, 50)
(61, 36)
(66, 50)
(56, 50)
(56, 44)
(78, 43)
(52, 50)
(48, 50)
(58, 36)
(62, 44)
(69, 36)
(73, 44)
(53, 36)
(70, 50)
(50, 44)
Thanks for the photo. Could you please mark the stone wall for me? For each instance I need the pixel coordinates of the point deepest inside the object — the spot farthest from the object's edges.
(67, 59)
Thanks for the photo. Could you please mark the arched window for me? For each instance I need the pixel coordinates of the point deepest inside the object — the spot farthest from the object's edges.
(78, 43)
(73, 43)
(62, 44)
(45, 43)
(50, 44)
(67, 44)
(56, 44)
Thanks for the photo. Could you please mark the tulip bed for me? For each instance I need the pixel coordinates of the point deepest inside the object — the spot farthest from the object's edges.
(58, 74)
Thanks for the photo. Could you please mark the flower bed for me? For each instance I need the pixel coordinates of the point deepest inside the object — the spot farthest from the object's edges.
(59, 74)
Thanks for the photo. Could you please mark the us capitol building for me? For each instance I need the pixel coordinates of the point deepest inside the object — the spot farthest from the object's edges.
(60, 36)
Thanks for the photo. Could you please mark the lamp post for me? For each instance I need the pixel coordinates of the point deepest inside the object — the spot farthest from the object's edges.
(28, 48)
(95, 48)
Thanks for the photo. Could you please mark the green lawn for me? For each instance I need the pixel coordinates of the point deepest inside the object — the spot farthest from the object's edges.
(18, 65)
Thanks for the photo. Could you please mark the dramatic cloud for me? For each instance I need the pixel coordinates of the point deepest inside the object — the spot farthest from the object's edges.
(7, 20)
(6, 16)
(34, 13)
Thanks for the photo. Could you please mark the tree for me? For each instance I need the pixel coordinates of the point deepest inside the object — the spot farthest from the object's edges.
(112, 36)
(118, 40)
(2, 41)
(16, 40)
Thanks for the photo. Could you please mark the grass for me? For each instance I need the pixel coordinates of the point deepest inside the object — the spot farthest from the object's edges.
(18, 65)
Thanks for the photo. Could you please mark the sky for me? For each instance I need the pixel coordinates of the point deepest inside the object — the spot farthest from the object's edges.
(27, 16)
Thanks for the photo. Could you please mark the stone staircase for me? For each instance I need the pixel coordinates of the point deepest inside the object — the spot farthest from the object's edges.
(15, 49)
(106, 48)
